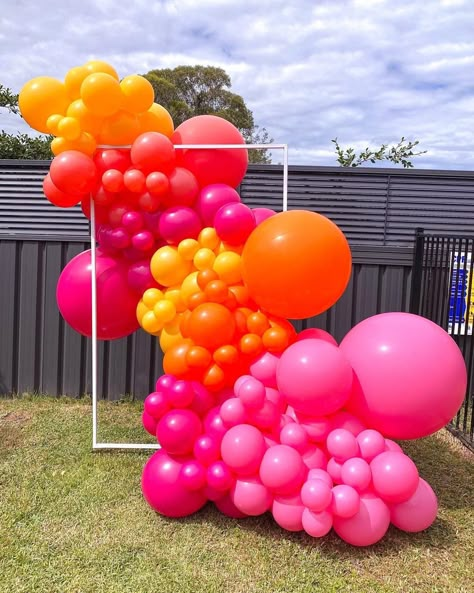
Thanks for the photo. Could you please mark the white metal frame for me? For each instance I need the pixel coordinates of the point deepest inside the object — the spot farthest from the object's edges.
(95, 444)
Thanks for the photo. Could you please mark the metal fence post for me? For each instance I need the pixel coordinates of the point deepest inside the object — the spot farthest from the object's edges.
(417, 270)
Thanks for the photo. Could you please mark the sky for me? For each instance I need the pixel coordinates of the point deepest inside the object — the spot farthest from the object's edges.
(365, 71)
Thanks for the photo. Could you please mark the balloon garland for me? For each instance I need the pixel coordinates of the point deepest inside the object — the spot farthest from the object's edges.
(249, 414)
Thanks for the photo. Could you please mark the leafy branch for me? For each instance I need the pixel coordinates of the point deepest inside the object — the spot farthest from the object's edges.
(400, 153)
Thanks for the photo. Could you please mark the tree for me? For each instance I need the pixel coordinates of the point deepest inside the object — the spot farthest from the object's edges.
(400, 153)
(187, 91)
(21, 146)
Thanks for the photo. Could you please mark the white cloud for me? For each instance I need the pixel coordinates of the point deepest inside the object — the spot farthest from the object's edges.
(365, 71)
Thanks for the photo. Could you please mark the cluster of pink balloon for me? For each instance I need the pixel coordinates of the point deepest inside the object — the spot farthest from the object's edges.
(249, 414)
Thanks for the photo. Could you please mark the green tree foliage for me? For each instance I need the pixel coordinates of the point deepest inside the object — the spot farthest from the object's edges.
(21, 146)
(187, 91)
(400, 153)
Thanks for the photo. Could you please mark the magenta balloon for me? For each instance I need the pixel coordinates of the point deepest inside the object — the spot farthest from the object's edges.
(368, 525)
(233, 412)
(178, 223)
(356, 472)
(178, 430)
(234, 223)
(345, 501)
(342, 444)
(214, 425)
(203, 400)
(264, 369)
(228, 508)
(316, 495)
(139, 276)
(149, 423)
(282, 470)
(192, 475)
(143, 241)
(313, 333)
(371, 443)
(133, 221)
(251, 393)
(317, 524)
(410, 375)
(262, 214)
(315, 377)
(418, 512)
(116, 301)
(251, 497)
(181, 394)
(219, 476)
(163, 490)
(288, 513)
(165, 383)
(343, 419)
(156, 405)
(394, 476)
(242, 449)
(206, 449)
(294, 435)
(314, 457)
(213, 197)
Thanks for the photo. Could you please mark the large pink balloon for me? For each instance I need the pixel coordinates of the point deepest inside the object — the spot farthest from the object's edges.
(116, 301)
(163, 489)
(410, 376)
(315, 377)
(368, 525)
(418, 512)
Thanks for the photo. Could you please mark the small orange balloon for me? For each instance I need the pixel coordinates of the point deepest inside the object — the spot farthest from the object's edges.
(174, 360)
(257, 323)
(121, 128)
(251, 344)
(241, 294)
(88, 122)
(216, 291)
(214, 378)
(211, 325)
(206, 276)
(156, 119)
(226, 355)
(196, 299)
(275, 339)
(198, 357)
(138, 93)
(296, 264)
(93, 66)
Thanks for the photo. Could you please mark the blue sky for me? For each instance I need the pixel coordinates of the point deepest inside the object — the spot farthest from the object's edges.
(364, 71)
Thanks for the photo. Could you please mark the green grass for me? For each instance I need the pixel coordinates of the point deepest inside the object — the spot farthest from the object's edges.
(73, 521)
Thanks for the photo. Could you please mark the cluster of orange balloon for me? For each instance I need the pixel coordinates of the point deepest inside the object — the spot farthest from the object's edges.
(249, 414)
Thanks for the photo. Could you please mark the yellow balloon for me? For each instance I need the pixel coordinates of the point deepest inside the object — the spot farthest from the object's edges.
(164, 311)
(69, 128)
(52, 123)
(138, 93)
(93, 66)
(209, 238)
(156, 119)
(119, 129)
(168, 267)
(187, 248)
(171, 335)
(151, 296)
(101, 94)
(87, 121)
(151, 324)
(174, 295)
(40, 98)
(189, 287)
(204, 258)
(228, 267)
(73, 80)
(85, 143)
(142, 309)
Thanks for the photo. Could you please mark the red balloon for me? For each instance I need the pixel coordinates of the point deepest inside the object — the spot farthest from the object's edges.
(183, 189)
(112, 158)
(74, 172)
(211, 165)
(153, 151)
(57, 197)
(101, 212)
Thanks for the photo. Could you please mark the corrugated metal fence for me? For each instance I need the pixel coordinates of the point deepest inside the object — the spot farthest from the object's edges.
(378, 210)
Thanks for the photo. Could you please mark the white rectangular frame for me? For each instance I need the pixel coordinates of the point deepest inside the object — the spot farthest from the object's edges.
(142, 446)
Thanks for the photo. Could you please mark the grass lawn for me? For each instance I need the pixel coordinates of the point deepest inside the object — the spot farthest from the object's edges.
(73, 521)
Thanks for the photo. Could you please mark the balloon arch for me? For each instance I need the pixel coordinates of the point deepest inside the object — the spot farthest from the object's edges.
(249, 414)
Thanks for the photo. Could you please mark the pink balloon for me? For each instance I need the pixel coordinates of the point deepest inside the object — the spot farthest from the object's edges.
(139, 276)
(251, 393)
(320, 474)
(242, 448)
(313, 333)
(233, 412)
(262, 214)
(345, 501)
(228, 508)
(277, 398)
(133, 221)
(213, 197)
(356, 472)
(371, 443)
(206, 449)
(214, 425)
(116, 301)
(368, 525)
(143, 241)
(334, 469)
(178, 223)
(192, 475)
(392, 446)
(178, 430)
(267, 418)
(410, 375)
(317, 428)
(316, 495)
(156, 405)
(203, 400)
(234, 223)
(282, 470)
(294, 435)
(315, 458)
(314, 377)
(149, 423)
(288, 513)
(394, 476)
(316, 524)
(219, 476)
(181, 394)
(264, 369)
(418, 512)
(343, 419)
(342, 444)
(164, 492)
(251, 497)
(164, 383)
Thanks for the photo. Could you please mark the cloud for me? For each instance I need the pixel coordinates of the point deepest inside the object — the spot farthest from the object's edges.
(366, 71)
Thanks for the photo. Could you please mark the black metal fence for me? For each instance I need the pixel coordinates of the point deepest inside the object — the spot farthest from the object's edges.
(443, 291)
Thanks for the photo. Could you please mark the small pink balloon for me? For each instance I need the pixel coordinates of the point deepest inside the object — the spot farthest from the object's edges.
(233, 412)
(242, 448)
(345, 501)
(288, 513)
(371, 443)
(342, 444)
(266, 418)
(251, 497)
(315, 458)
(282, 470)
(317, 524)
(143, 241)
(228, 508)
(219, 476)
(418, 512)
(320, 474)
(234, 223)
(178, 223)
(164, 383)
(317, 428)
(156, 405)
(313, 333)
(334, 469)
(139, 276)
(162, 488)
(368, 525)
(343, 419)
(276, 397)
(149, 423)
(206, 449)
(214, 425)
(294, 435)
(392, 446)
(203, 400)
(181, 394)
(118, 238)
(262, 214)
(177, 431)
(264, 369)
(356, 472)
(213, 494)
(395, 477)
(211, 198)
(192, 475)
(251, 393)
(133, 221)
(316, 495)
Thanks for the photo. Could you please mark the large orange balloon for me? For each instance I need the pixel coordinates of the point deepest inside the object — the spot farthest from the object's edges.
(40, 98)
(296, 264)
(211, 325)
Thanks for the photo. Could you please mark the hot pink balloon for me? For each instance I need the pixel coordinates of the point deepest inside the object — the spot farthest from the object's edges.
(334, 469)
(164, 492)
(219, 476)
(242, 448)
(156, 405)
(294, 435)
(233, 412)
(178, 223)
(345, 501)
(213, 197)
(313, 333)
(368, 525)
(251, 392)
(228, 508)
(410, 375)
(234, 223)
(317, 427)
(314, 458)
(139, 276)
(149, 423)
(206, 449)
(342, 444)
(264, 369)
(288, 513)
(251, 497)
(192, 475)
(371, 443)
(178, 430)
(282, 470)
(116, 301)
(394, 476)
(315, 377)
(320, 474)
(316, 495)
(317, 524)
(418, 512)
(262, 214)
(356, 472)
(343, 419)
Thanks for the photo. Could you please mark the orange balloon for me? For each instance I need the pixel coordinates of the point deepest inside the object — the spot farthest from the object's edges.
(138, 93)
(296, 264)
(40, 98)
(88, 122)
(101, 94)
(198, 357)
(251, 344)
(174, 360)
(93, 66)
(156, 119)
(226, 355)
(211, 325)
(276, 339)
(214, 378)
(121, 128)
(257, 323)
(216, 291)
(73, 80)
